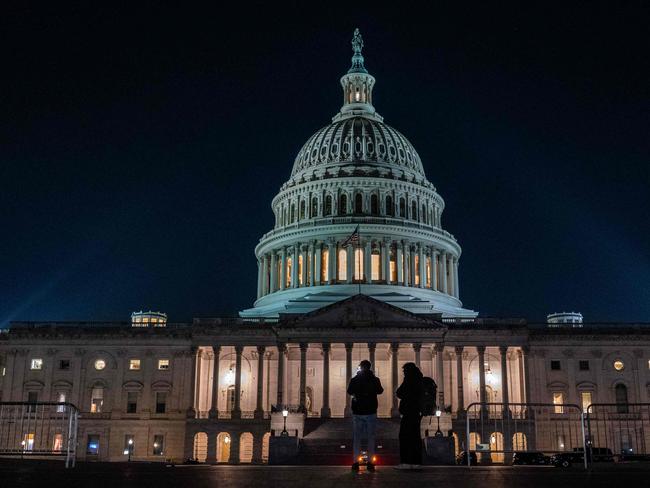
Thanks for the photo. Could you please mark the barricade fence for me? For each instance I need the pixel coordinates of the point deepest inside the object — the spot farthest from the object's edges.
(495, 431)
(618, 430)
(38, 430)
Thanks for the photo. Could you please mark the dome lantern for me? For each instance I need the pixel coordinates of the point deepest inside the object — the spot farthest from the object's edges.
(357, 86)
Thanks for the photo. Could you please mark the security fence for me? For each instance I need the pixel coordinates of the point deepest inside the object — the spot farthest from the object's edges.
(495, 431)
(38, 430)
(618, 431)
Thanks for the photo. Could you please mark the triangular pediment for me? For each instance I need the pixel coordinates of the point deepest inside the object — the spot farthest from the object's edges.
(358, 311)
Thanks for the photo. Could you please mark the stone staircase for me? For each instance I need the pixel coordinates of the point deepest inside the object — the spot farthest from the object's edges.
(329, 442)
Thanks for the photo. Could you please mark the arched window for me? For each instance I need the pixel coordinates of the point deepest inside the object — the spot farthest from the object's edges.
(358, 203)
(402, 208)
(292, 214)
(424, 214)
(343, 204)
(342, 265)
(374, 205)
(390, 210)
(314, 207)
(621, 398)
(328, 205)
(302, 209)
(414, 211)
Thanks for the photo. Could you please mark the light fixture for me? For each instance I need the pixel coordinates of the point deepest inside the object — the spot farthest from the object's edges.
(438, 413)
(285, 414)
(130, 442)
(226, 440)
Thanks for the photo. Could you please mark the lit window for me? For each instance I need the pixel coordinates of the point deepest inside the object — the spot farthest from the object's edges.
(300, 268)
(289, 266)
(57, 445)
(585, 399)
(618, 365)
(375, 264)
(158, 445)
(60, 398)
(558, 400)
(163, 364)
(134, 364)
(343, 265)
(37, 363)
(324, 267)
(96, 400)
(358, 264)
(28, 442)
(100, 364)
(417, 270)
(92, 447)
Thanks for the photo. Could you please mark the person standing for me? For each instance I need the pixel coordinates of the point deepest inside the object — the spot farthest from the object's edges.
(410, 441)
(364, 388)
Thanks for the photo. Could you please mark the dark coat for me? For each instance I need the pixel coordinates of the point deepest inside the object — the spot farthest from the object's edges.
(409, 393)
(364, 388)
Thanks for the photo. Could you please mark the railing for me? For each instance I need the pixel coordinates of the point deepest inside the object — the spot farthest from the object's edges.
(39, 429)
(523, 427)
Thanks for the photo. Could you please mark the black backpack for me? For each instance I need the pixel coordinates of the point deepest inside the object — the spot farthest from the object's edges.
(428, 393)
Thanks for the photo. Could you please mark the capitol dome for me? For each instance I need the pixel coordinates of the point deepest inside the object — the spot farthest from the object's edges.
(357, 216)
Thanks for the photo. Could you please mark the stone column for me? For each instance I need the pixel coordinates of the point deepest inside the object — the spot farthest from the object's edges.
(325, 411)
(214, 407)
(459, 379)
(367, 262)
(192, 412)
(440, 374)
(294, 267)
(399, 262)
(505, 397)
(407, 264)
(525, 354)
(236, 411)
(259, 407)
(312, 265)
(332, 256)
(423, 267)
(456, 280)
(259, 278)
(274, 272)
(443, 271)
(417, 347)
(385, 260)
(394, 350)
(303, 376)
(318, 264)
(348, 377)
(282, 349)
(434, 270)
(283, 268)
(481, 374)
(303, 270)
(265, 275)
(372, 347)
(350, 264)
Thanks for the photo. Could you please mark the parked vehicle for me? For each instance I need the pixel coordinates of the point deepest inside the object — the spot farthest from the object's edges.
(566, 459)
(461, 459)
(595, 454)
(525, 458)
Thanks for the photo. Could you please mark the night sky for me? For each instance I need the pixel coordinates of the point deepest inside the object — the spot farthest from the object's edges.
(140, 149)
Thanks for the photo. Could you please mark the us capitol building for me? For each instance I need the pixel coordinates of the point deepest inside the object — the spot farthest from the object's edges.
(357, 266)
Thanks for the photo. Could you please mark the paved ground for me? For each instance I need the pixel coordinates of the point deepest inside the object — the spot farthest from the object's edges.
(118, 475)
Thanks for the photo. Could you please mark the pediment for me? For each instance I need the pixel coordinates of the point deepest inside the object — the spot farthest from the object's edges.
(358, 311)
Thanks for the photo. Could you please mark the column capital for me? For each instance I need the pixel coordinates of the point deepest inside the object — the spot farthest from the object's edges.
(459, 349)
(282, 347)
(417, 346)
(239, 349)
(480, 350)
(216, 349)
(326, 347)
(372, 346)
(503, 350)
(349, 346)
(261, 350)
(303, 346)
(394, 346)
(440, 346)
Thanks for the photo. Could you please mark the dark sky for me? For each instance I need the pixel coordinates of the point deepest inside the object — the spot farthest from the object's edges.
(140, 149)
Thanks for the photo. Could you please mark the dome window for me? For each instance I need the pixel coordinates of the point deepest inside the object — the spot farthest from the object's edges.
(328, 205)
(414, 211)
(358, 203)
(343, 205)
(374, 205)
(402, 208)
(390, 210)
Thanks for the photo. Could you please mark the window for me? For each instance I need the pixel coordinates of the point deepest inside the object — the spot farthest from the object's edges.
(129, 444)
(302, 209)
(134, 364)
(163, 364)
(132, 402)
(343, 265)
(414, 211)
(32, 397)
(583, 365)
(328, 205)
(64, 364)
(92, 446)
(556, 365)
(161, 402)
(620, 393)
(28, 442)
(343, 205)
(314, 207)
(57, 444)
(374, 205)
(289, 269)
(619, 365)
(324, 267)
(585, 400)
(158, 445)
(60, 398)
(376, 266)
(100, 364)
(36, 363)
(358, 264)
(390, 211)
(560, 442)
(424, 214)
(358, 203)
(96, 400)
(402, 207)
(558, 400)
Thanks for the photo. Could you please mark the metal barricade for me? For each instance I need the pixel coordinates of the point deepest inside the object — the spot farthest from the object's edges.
(39, 430)
(618, 431)
(495, 431)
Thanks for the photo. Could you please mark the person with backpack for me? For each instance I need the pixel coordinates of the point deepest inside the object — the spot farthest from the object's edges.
(410, 393)
(364, 388)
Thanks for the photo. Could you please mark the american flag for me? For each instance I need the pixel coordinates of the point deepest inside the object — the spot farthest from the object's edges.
(353, 238)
